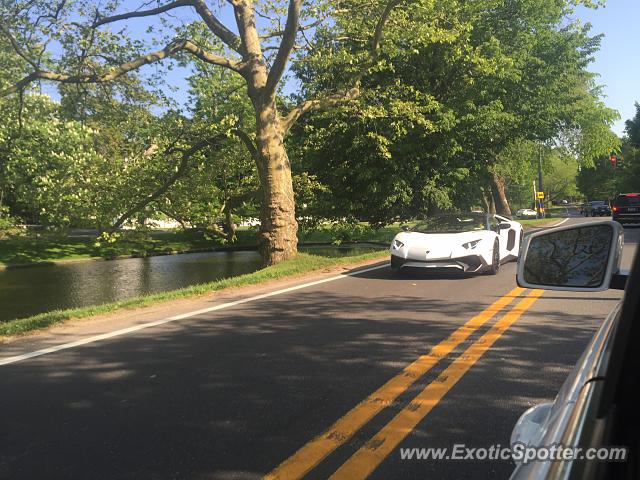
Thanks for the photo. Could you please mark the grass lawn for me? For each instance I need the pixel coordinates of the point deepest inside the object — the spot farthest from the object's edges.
(302, 264)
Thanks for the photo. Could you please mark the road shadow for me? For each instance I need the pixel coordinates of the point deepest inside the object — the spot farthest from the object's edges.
(414, 274)
(231, 394)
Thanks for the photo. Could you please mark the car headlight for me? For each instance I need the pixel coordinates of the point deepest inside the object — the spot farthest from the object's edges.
(471, 245)
(397, 244)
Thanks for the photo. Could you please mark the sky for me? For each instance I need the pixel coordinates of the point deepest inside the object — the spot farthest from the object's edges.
(618, 61)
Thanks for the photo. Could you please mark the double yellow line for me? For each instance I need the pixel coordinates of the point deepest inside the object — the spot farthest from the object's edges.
(368, 457)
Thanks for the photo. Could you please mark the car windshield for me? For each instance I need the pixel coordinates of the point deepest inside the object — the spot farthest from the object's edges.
(452, 223)
(628, 201)
(597, 203)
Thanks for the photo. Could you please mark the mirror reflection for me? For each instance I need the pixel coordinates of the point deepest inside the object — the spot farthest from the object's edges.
(570, 258)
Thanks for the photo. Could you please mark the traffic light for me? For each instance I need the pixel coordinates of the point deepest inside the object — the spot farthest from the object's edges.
(613, 158)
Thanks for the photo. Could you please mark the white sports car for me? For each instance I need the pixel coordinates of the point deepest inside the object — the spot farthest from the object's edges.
(468, 242)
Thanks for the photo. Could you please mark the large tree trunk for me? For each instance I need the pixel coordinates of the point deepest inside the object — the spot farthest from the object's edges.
(278, 238)
(499, 195)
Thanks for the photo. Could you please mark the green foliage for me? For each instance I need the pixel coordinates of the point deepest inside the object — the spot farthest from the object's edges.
(603, 181)
(460, 90)
(633, 128)
(599, 182)
(348, 230)
(52, 172)
(7, 222)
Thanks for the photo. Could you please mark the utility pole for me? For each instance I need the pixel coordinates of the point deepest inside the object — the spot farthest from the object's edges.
(540, 185)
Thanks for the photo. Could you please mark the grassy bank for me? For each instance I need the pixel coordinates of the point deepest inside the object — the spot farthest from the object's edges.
(25, 250)
(304, 263)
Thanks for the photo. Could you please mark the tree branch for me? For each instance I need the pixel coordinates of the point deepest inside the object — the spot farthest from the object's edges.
(374, 53)
(112, 74)
(382, 21)
(238, 199)
(142, 13)
(301, 28)
(222, 32)
(16, 46)
(286, 47)
(342, 98)
(246, 139)
(166, 185)
(318, 104)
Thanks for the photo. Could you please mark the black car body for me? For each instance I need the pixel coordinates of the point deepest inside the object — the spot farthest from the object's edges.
(626, 208)
(597, 208)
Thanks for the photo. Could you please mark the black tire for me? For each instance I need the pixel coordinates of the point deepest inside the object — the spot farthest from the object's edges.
(495, 263)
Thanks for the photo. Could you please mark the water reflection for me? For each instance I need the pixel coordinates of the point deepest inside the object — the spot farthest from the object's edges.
(28, 291)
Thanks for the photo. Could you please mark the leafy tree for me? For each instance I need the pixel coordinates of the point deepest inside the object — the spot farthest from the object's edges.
(458, 84)
(560, 179)
(599, 182)
(604, 180)
(93, 55)
(633, 128)
(51, 171)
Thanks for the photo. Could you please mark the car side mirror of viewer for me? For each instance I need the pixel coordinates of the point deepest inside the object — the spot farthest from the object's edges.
(582, 258)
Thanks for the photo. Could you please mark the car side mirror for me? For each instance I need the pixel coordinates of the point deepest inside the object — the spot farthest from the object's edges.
(404, 228)
(582, 258)
(504, 226)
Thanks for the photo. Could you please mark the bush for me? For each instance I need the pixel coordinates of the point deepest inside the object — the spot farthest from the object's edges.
(113, 244)
(349, 231)
(8, 224)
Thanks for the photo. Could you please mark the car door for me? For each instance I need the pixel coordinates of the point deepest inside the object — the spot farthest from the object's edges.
(507, 236)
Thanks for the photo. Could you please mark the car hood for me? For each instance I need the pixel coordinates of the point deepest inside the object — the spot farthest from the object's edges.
(442, 239)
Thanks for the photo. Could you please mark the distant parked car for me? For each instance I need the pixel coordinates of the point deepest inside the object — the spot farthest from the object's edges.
(626, 208)
(596, 208)
(526, 212)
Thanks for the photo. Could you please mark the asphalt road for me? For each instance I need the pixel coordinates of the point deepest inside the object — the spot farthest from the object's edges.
(233, 392)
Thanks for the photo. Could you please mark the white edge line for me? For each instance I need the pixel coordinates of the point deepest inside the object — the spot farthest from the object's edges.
(558, 224)
(142, 326)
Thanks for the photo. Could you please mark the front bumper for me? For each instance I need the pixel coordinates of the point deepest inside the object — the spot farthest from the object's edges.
(469, 263)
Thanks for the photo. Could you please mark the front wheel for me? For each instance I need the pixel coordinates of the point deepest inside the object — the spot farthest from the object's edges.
(495, 259)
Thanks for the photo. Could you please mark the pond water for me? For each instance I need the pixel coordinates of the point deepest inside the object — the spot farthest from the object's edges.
(33, 290)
